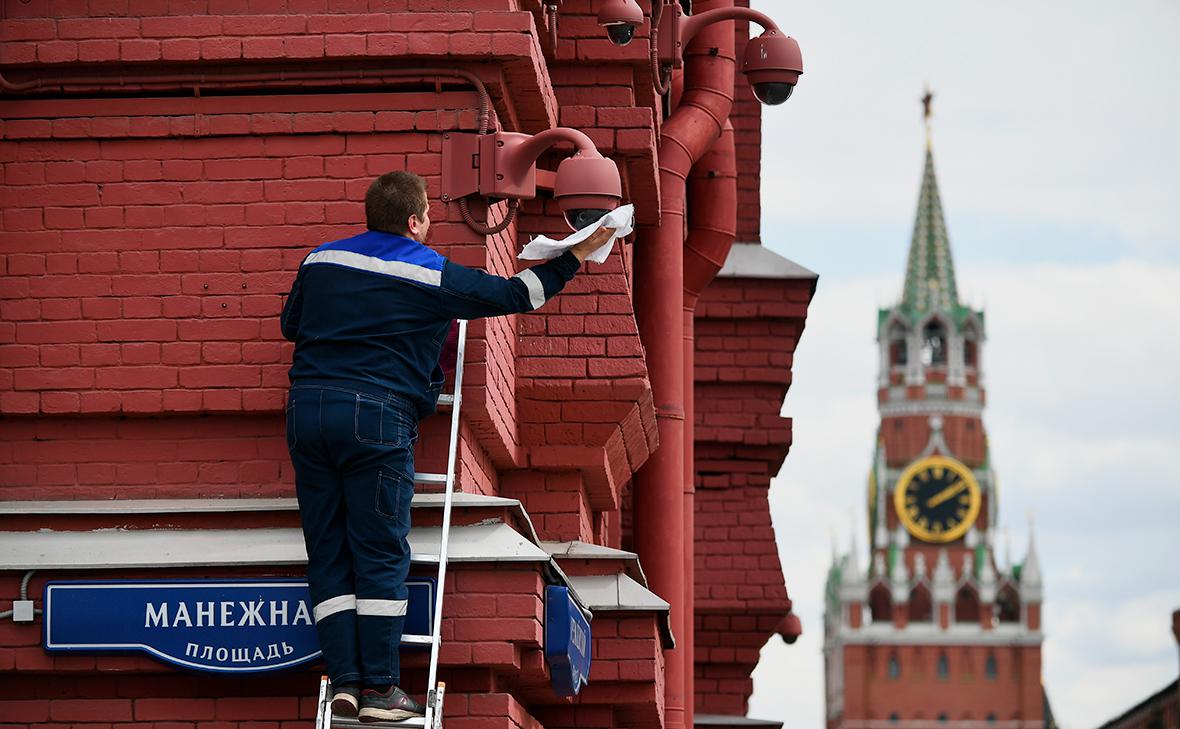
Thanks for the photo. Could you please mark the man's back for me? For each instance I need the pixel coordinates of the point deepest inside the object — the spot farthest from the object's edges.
(366, 310)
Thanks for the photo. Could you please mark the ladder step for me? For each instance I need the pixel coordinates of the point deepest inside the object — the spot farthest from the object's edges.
(351, 721)
(436, 478)
(446, 399)
(416, 640)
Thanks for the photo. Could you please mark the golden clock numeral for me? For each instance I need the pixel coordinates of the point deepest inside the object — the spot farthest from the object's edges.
(924, 523)
(913, 512)
(961, 513)
(924, 476)
(964, 498)
(911, 499)
(937, 528)
(938, 471)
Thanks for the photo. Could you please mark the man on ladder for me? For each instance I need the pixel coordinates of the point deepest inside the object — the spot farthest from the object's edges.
(369, 315)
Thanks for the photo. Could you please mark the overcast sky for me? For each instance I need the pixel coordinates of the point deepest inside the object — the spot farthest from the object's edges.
(1057, 149)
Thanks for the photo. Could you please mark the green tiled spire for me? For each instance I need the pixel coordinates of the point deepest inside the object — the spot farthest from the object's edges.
(930, 272)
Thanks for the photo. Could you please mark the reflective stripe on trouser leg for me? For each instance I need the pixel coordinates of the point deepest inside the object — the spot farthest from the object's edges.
(333, 605)
(336, 626)
(388, 608)
(380, 624)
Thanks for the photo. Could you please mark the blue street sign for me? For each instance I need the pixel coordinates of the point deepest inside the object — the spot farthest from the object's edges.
(222, 626)
(567, 642)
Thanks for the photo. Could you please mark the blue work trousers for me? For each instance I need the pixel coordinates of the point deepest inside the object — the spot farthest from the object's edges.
(353, 454)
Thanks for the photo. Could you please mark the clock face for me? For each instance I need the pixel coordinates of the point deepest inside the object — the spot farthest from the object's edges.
(937, 499)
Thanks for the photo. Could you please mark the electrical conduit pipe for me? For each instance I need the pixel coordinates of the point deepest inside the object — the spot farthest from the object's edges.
(260, 79)
(659, 500)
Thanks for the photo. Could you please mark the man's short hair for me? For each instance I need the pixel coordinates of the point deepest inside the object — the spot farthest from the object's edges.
(392, 199)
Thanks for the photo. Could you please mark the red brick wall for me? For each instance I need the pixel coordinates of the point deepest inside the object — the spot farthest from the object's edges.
(906, 437)
(148, 236)
(919, 694)
(147, 244)
(746, 334)
(747, 126)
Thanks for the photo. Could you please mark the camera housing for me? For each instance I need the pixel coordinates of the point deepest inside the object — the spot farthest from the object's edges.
(587, 187)
(790, 628)
(772, 64)
(620, 18)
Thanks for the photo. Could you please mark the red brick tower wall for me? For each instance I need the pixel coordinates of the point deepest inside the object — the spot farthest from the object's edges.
(746, 334)
(966, 694)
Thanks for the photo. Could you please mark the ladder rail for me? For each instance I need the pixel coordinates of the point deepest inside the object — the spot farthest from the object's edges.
(323, 712)
(449, 490)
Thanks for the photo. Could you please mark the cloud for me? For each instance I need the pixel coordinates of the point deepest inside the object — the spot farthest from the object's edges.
(1106, 658)
(1055, 118)
(1081, 370)
(1138, 628)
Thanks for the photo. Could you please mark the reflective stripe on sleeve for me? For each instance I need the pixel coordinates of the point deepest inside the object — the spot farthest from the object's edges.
(536, 290)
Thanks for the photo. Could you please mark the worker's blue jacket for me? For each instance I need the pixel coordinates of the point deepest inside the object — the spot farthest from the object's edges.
(371, 312)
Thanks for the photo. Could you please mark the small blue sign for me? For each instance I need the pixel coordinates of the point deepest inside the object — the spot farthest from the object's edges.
(221, 626)
(567, 642)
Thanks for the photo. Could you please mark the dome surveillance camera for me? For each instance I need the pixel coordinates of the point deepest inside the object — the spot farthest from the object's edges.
(579, 218)
(620, 33)
(587, 187)
(620, 18)
(790, 628)
(772, 65)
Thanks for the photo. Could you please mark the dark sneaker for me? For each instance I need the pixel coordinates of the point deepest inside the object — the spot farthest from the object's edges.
(345, 699)
(393, 705)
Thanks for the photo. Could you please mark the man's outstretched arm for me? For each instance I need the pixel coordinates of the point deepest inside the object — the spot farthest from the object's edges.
(468, 293)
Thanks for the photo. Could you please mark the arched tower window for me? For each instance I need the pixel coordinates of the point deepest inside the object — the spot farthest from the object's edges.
(898, 353)
(1008, 604)
(944, 666)
(967, 605)
(881, 604)
(989, 667)
(934, 344)
(921, 606)
(894, 668)
(970, 347)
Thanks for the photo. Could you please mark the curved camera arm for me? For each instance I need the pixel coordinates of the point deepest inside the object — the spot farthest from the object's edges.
(525, 154)
(692, 24)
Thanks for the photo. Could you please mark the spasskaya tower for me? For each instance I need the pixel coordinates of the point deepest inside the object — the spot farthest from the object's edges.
(933, 631)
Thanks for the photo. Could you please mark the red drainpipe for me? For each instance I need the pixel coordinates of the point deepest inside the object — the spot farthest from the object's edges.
(660, 503)
(712, 225)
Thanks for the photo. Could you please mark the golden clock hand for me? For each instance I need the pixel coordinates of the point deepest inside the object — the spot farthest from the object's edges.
(946, 493)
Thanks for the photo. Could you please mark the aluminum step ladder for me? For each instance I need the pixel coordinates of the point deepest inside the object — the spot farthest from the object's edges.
(436, 689)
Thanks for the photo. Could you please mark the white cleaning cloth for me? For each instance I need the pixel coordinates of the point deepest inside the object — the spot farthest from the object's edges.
(622, 219)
